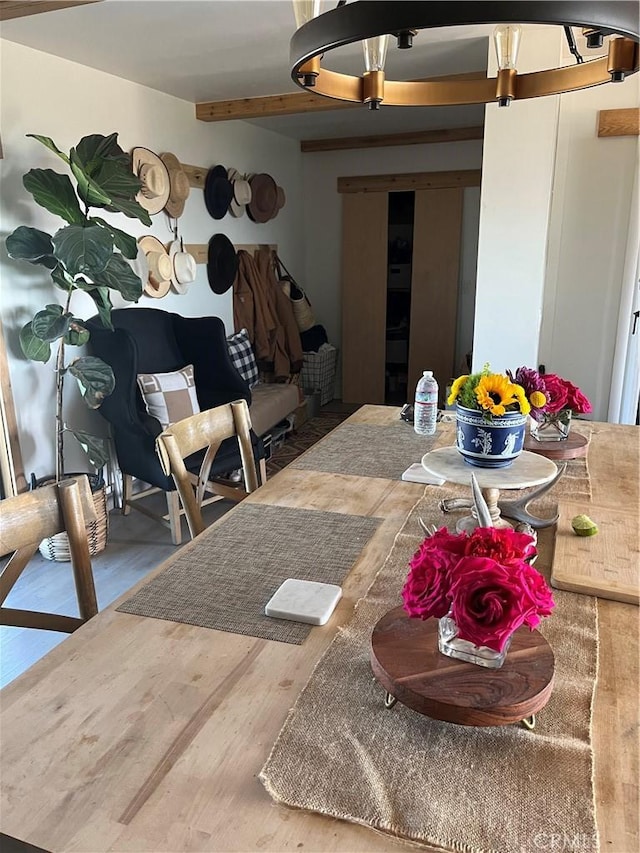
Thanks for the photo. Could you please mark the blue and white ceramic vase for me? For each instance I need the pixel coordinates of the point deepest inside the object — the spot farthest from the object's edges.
(489, 444)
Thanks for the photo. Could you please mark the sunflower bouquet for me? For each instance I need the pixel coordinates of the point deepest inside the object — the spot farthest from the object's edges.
(493, 394)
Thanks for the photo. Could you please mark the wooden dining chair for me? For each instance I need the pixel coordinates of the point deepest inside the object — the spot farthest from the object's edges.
(206, 431)
(27, 519)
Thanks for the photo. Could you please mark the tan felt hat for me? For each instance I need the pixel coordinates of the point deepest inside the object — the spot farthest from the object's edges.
(280, 201)
(159, 280)
(179, 187)
(264, 197)
(156, 186)
(183, 267)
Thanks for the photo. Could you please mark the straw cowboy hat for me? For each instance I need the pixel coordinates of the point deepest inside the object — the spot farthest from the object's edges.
(156, 186)
(159, 279)
(264, 198)
(241, 193)
(222, 263)
(140, 265)
(183, 267)
(178, 185)
(218, 192)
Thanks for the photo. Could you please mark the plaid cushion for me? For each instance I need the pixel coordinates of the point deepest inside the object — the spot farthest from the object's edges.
(242, 356)
(169, 397)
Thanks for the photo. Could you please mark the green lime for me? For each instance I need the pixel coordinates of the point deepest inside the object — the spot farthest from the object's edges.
(583, 526)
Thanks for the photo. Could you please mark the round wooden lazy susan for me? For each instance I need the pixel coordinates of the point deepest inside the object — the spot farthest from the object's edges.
(406, 661)
(573, 447)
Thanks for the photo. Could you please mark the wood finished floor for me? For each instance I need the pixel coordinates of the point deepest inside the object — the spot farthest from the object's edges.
(136, 545)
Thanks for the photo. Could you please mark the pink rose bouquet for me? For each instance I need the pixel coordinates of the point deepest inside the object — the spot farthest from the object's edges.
(483, 580)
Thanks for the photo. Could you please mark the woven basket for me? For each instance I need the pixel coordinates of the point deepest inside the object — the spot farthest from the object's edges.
(57, 547)
(303, 313)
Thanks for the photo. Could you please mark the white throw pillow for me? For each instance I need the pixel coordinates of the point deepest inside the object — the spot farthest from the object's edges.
(169, 397)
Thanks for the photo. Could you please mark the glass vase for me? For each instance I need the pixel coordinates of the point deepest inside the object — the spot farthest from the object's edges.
(451, 645)
(547, 426)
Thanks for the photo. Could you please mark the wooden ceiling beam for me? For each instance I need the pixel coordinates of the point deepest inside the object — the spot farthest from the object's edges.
(290, 103)
(625, 122)
(410, 181)
(21, 8)
(420, 137)
(267, 106)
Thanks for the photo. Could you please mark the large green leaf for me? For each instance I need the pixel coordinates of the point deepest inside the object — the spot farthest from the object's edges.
(117, 181)
(50, 144)
(130, 208)
(100, 296)
(128, 245)
(54, 192)
(61, 279)
(97, 449)
(119, 276)
(31, 244)
(77, 334)
(93, 150)
(83, 250)
(32, 346)
(50, 324)
(95, 379)
(90, 192)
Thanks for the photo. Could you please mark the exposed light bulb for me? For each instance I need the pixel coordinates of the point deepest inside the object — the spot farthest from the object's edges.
(507, 42)
(375, 53)
(306, 10)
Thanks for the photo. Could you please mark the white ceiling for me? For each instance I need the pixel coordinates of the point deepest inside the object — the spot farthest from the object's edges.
(209, 50)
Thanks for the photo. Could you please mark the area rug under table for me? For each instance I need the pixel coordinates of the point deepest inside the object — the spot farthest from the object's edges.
(506, 789)
(239, 564)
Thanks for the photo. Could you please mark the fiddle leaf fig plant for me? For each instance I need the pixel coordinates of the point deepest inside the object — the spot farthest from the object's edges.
(86, 254)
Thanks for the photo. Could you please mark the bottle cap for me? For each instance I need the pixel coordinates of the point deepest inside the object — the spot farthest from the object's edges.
(427, 372)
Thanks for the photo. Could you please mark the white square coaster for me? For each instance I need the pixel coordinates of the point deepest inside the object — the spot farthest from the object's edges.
(304, 601)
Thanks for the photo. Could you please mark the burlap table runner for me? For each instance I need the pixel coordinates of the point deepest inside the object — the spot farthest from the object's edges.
(225, 581)
(372, 450)
(475, 790)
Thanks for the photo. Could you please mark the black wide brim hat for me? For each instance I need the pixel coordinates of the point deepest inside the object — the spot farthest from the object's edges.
(222, 263)
(218, 192)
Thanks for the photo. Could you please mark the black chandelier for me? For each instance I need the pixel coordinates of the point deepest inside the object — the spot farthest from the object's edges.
(373, 22)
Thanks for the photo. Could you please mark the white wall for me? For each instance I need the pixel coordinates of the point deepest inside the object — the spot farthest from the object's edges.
(555, 209)
(589, 229)
(51, 96)
(323, 212)
(517, 178)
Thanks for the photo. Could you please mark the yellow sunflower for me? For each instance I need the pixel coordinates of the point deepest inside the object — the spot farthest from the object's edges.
(455, 388)
(521, 397)
(495, 392)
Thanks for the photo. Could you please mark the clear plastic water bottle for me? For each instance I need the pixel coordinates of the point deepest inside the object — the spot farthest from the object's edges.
(426, 404)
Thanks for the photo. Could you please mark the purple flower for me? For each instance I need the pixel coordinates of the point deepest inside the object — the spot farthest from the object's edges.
(533, 384)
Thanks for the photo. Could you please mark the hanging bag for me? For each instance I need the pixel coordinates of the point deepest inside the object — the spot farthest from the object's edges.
(302, 310)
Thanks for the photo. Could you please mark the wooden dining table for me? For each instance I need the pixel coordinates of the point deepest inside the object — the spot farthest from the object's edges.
(140, 734)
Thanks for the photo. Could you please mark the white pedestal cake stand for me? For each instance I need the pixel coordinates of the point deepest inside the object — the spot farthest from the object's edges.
(528, 469)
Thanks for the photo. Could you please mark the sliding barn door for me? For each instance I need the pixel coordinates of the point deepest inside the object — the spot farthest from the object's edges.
(434, 285)
(364, 295)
